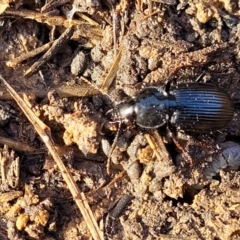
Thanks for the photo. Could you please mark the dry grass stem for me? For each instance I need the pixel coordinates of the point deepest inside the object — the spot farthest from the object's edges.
(45, 133)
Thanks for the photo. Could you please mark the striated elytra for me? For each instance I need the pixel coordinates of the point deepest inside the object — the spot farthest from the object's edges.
(194, 107)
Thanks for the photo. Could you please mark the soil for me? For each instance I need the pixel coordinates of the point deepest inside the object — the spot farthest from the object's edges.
(161, 185)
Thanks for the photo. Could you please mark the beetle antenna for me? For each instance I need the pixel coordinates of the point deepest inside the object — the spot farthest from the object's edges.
(112, 148)
(98, 89)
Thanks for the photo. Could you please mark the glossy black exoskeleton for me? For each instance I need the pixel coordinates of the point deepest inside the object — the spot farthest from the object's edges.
(195, 107)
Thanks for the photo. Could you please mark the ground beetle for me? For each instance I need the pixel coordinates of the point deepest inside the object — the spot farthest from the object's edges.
(193, 107)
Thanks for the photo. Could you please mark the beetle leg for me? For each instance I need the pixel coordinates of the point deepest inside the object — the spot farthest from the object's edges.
(185, 153)
(112, 148)
(167, 86)
(198, 79)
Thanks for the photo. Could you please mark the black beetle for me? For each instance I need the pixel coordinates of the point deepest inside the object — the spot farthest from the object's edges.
(194, 107)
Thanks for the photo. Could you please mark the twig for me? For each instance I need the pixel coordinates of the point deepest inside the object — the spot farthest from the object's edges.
(65, 90)
(9, 196)
(114, 19)
(52, 4)
(16, 145)
(156, 143)
(44, 18)
(55, 47)
(86, 18)
(45, 133)
(14, 62)
(112, 72)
